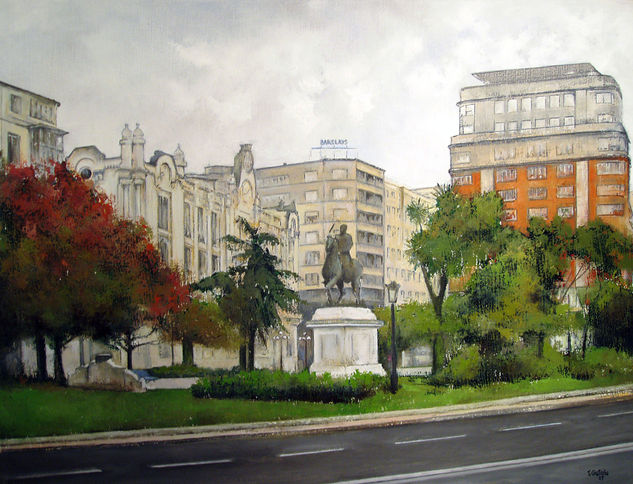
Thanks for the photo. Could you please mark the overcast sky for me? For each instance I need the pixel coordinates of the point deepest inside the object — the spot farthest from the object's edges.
(285, 74)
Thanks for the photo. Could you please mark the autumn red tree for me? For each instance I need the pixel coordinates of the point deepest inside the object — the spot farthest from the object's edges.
(70, 267)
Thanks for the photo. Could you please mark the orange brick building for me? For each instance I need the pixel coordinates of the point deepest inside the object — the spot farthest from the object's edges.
(549, 140)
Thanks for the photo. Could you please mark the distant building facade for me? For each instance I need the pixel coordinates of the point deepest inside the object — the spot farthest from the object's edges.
(28, 127)
(398, 230)
(189, 214)
(328, 193)
(549, 140)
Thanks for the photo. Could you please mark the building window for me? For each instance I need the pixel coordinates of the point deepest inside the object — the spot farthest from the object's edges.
(540, 102)
(566, 212)
(466, 129)
(312, 237)
(202, 226)
(611, 144)
(370, 198)
(202, 263)
(312, 195)
(163, 212)
(566, 149)
(569, 100)
(564, 169)
(525, 125)
(508, 195)
(463, 180)
(554, 101)
(605, 118)
(611, 168)
(566, 191)
(215, 263)
(369, 238)
(610, 209)
(537, 172)
(537, 212)
(554, 122)
(187, 220)
(16, 104)
(604, 98)
(187, 262)
(610, 190)
(510, 215)
(512, 105)
(13, 148)
(505, 154)
(537, 150)
(499, 127)
(312, 257)
(311, 217)
(163, 248)
(537, 193)
(569, 121)
(461, 158)
(339, 173)
(467, 110)
(310, 176)
(339, 193)
(215, 228)
(275, 180)
(513, 126)
(499, 107)
(506, 175)
(369, 218)
(312, 279)
(539, 123)
(526, 104)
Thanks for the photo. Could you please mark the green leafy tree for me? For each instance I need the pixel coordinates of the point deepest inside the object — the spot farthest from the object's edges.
(454, 236)
(252, 293)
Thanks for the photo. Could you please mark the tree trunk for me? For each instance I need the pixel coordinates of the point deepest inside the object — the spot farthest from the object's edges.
(438, 352)
(58, 348)
(540, 344)
(251, 352)
(187, 351)
(128, 350)
(40, 350)
(584, 341)
(243, 363)
(568, 343)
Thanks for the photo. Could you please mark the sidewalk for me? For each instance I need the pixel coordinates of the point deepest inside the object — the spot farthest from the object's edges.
(531, 403)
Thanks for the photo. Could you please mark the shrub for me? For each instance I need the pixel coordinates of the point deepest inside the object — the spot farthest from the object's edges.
(269, 385)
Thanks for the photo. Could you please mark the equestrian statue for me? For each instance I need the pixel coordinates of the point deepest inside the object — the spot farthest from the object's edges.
(339, 267)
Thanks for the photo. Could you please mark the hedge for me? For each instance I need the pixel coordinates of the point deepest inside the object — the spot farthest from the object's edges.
(277, 385)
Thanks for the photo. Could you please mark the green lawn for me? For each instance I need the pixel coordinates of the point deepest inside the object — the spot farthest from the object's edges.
(39, 410)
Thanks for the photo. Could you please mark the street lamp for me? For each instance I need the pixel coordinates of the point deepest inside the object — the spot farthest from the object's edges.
(281, 337)
(392, 297)
(305, 338)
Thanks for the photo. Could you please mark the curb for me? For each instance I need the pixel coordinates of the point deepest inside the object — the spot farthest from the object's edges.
(524, 404)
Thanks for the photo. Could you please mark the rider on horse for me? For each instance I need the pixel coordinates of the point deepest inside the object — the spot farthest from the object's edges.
(344, 243)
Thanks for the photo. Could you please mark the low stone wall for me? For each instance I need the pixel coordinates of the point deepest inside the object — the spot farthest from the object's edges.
(104, 374)
(170, 383)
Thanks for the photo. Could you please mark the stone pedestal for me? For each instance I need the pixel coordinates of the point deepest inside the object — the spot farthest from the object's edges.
(345, 340)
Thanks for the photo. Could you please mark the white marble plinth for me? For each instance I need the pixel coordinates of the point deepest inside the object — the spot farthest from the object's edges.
(345, 340)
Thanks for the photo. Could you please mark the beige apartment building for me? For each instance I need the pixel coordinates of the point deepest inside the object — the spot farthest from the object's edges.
(398, 230)
(549, 140)
(328, 193)
(28, 127)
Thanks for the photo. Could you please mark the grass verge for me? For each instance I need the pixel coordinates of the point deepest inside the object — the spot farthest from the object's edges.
(43, 409)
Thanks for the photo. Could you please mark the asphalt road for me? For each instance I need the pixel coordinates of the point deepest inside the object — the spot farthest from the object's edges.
(582, 444)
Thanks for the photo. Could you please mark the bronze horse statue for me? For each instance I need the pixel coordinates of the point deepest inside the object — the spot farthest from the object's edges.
(335, 273)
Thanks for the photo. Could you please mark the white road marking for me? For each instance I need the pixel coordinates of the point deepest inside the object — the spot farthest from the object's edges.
(615, 414)
(189, 464)
(72, 472)
(310, 452)
(430, 439)
(496, 466)
(527, 427)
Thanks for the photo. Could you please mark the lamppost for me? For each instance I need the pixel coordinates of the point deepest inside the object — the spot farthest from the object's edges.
(281, 337)
(392, 296)
(305, 337)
